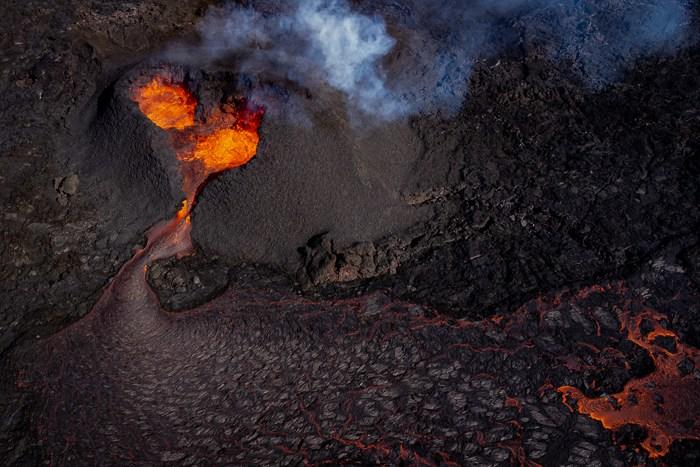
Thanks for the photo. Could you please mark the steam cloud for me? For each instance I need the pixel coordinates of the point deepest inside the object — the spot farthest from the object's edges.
(320, 40)
(326, 41)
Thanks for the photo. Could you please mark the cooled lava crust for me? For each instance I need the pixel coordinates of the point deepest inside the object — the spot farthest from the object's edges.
(516, 284)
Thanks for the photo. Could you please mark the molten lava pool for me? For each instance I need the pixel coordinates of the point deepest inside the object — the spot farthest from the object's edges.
(170, 106)
(225, 138)
(664, 402)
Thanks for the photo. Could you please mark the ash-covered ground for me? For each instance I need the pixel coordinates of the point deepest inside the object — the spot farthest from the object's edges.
(405, 291)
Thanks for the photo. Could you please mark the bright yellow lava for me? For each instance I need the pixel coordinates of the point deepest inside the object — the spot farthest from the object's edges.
(184, 210)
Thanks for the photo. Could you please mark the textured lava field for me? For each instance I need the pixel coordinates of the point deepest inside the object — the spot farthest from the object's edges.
(261, 376)
(515, 283)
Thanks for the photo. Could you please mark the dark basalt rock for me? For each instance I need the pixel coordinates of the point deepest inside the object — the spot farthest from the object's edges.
(186, 283)
(332, 250)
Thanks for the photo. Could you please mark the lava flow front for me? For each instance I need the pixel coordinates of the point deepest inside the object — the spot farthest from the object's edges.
(226, 139)
(664, 402)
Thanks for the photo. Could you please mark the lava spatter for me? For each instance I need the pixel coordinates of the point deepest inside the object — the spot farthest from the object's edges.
(665, 402)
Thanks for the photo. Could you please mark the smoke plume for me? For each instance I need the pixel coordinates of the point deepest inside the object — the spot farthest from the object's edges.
(350, 48)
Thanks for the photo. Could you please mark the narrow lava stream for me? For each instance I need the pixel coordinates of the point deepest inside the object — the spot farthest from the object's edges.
(228, 139)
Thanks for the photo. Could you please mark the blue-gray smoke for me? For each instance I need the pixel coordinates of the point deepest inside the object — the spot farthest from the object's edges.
(427, 68)
(314, 41)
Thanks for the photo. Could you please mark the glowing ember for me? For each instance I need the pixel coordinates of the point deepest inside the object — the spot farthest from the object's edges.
(184, 210)
(167, 105)
(664, 402)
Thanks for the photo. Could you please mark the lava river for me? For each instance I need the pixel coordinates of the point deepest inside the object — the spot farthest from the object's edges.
(260, 375)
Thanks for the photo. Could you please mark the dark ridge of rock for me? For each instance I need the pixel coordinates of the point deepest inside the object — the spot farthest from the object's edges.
(538, 205)
(129, 161)
(190, 282)
(186, 283)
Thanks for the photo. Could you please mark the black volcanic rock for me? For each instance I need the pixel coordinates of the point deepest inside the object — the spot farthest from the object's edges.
(382, 247)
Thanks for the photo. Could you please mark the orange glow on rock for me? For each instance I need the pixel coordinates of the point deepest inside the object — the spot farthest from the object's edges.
(663, 402)
(170, 106)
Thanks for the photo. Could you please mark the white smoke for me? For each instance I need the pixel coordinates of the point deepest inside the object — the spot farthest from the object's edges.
(349, 47)
(312, 42)
(319, 41)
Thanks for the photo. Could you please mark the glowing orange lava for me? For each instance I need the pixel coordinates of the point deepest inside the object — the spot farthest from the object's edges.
(664, 402)
(228, 138)
(225, 149)
(184, 210)
(170, 106)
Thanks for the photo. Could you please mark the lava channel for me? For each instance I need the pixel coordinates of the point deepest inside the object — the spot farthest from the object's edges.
(227, 139)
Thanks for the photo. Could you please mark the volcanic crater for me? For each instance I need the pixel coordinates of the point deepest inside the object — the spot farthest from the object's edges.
(217, 262)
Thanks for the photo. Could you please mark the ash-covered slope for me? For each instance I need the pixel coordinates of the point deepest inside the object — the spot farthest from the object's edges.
(308, 179)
